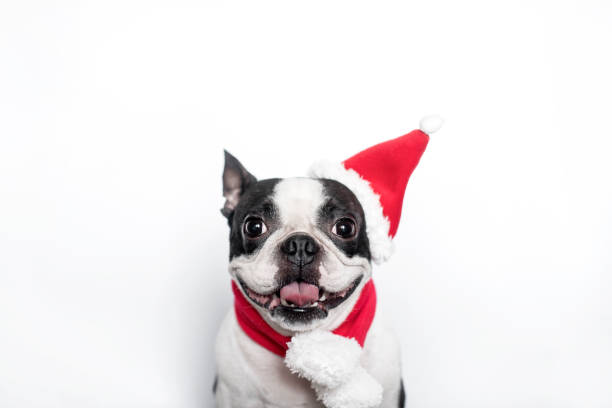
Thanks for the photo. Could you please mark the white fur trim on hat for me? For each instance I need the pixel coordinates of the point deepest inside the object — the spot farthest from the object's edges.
(377, 225)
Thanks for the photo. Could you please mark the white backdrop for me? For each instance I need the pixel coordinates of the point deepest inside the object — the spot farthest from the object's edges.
(113, 116)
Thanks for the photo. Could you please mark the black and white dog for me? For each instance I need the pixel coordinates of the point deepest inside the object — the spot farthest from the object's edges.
(300, 255)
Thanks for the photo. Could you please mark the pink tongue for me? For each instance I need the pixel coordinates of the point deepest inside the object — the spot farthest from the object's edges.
(300, 293)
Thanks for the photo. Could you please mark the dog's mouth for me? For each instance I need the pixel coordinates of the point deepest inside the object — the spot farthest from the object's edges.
(301, 298)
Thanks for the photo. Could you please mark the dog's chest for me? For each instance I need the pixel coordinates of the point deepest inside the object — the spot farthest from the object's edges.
(249, 376)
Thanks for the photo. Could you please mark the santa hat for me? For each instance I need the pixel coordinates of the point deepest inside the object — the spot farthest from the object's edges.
(378, 177)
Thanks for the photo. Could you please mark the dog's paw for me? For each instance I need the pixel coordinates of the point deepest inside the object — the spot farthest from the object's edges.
(361, 391)
(323, 358)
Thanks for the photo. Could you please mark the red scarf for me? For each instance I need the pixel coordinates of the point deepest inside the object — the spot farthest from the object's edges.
(355, 326)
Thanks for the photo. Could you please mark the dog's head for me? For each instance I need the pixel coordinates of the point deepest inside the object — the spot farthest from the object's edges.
(299, 251)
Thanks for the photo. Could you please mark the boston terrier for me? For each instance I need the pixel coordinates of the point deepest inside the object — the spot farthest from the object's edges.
(303, 332)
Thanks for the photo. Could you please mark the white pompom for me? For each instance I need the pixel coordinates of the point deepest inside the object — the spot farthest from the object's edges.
(430, 124)
(360, 391)
(323, 357)
(332, 365)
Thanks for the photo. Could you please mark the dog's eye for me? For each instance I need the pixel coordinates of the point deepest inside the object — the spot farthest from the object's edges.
(344, 228)
(254, 227)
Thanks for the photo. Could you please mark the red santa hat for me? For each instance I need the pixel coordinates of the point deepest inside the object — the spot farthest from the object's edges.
(378, 177)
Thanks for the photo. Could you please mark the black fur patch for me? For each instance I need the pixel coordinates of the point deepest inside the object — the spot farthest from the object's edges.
(255, 201)
(295, 315)
(341, 203)
(402, 396)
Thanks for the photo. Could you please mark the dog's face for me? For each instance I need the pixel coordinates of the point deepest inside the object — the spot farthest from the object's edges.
(298, 247)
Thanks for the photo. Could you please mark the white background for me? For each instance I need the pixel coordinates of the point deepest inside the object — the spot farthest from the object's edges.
(113, 253)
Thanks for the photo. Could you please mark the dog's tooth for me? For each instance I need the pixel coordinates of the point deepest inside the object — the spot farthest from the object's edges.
(284, 302)
(322, 298)
(274, 302)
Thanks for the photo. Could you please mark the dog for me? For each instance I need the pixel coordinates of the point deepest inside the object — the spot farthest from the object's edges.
(300, 260)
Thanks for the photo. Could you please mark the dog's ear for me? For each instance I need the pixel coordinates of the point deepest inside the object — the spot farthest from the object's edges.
(236, 179)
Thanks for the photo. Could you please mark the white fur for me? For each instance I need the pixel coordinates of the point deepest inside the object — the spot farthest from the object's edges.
(430, 124)
(332, 364)
(250, 376)
(298, 201)
(377, 225)
(257, 271)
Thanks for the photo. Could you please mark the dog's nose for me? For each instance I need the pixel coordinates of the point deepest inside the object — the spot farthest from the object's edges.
(300, 249)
